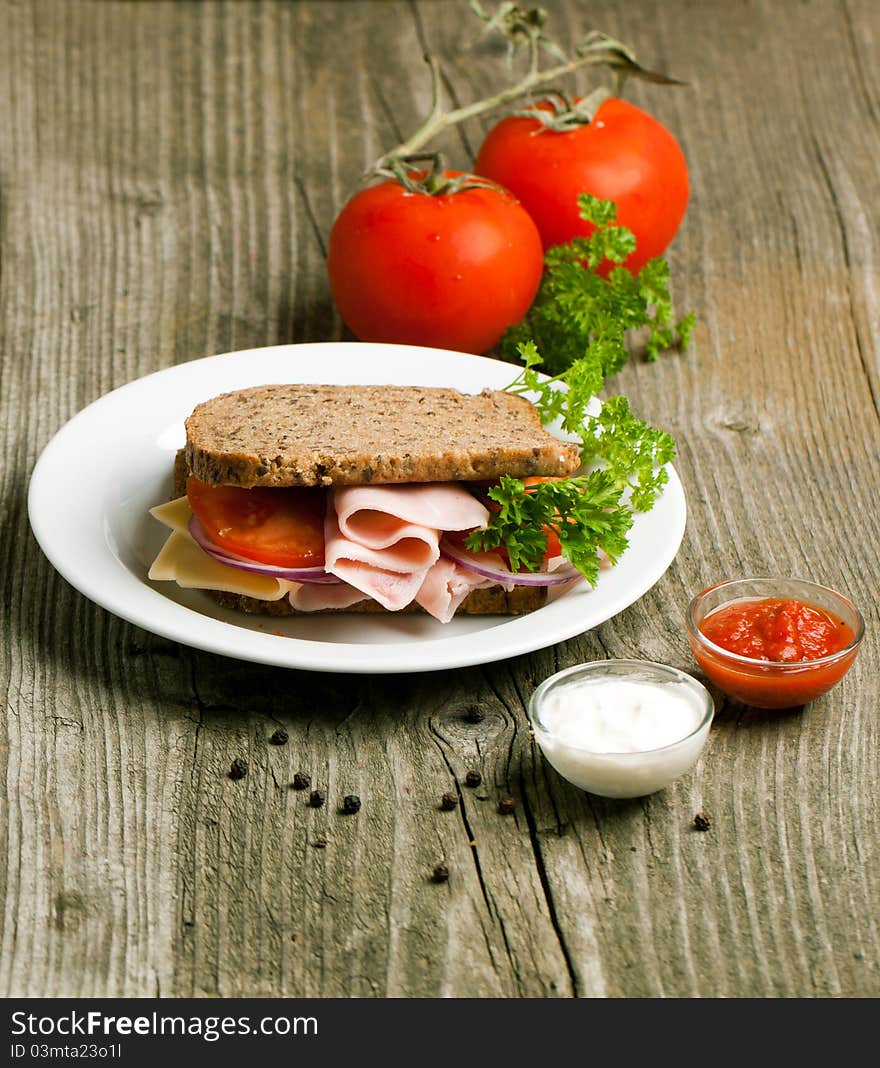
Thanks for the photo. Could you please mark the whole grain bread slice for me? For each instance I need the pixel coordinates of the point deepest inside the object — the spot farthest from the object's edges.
(319, 435)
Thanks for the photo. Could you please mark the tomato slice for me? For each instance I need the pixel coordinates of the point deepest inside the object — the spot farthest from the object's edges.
(554, 548)
(283, 526)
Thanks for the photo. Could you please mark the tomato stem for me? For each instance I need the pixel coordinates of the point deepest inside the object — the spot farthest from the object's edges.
(521, 27)
(434, 182)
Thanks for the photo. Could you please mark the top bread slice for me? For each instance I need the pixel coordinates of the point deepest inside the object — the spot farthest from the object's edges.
(320, 435)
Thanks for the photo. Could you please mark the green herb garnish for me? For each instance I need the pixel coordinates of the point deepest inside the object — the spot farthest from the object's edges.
(578, 313)
(588, 513)
(585, 512)
(632, 452)
(579, 321)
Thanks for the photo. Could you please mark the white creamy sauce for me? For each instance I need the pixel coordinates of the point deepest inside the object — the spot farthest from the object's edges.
(618, 716)
(620, 737)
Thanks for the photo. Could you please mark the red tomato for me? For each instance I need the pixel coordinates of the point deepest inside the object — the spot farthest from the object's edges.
(623, 155)
(283, 526)
(451, 271)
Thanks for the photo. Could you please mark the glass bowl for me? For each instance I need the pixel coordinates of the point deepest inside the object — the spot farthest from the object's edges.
(766, 683)
(622, 774)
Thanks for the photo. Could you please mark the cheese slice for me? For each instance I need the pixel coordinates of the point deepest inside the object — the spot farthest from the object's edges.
(175, 514)
(182, 561)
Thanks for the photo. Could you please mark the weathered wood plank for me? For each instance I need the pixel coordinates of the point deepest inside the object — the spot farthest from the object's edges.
(779, 442)
(168, 178)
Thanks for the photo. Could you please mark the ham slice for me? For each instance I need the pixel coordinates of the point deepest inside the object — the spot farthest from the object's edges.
(383, 540)
(316, 597)
(446, 585)
(392, 575)
(378, 516)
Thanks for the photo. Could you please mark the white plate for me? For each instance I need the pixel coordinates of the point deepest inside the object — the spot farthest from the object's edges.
(98, 476)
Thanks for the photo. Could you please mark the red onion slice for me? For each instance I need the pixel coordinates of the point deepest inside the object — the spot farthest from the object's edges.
(506, 577)
(302, 574)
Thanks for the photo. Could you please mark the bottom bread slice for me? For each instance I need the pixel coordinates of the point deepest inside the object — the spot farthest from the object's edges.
(493, 601)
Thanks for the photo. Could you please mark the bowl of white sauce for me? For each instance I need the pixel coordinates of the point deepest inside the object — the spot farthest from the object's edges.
(621, 728)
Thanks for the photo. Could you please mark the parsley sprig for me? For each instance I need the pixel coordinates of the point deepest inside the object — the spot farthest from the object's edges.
(633, 453)
(580, 320)
(580, 312)
(585, 513)
(588, 513)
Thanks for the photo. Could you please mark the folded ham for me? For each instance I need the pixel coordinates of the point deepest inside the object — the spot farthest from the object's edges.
(446, 585)
(383, 541)
(316, 597)
(379, 516)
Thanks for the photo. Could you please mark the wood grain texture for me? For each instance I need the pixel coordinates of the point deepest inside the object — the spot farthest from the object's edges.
(168, 178)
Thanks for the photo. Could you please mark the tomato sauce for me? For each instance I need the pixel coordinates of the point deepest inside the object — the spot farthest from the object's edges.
(787, 642)
(777, 630)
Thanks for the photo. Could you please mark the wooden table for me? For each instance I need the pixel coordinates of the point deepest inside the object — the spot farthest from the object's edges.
(168, 177)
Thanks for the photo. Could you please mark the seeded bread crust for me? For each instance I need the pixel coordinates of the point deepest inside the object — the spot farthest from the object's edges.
(493, 601)
(315, 435)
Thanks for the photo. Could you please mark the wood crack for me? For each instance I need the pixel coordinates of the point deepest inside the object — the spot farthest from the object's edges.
(597, 634)
(857, 65)
(447, 84)
(597, 823)
(310, 215)
(548, 895)
(200, 708)
(509, 718)
(387, 110)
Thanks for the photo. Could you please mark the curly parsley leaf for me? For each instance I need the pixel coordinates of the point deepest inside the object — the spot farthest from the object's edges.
(632, 452)
(585, 512)
(579, 313)
(579, 321)
(584, 379)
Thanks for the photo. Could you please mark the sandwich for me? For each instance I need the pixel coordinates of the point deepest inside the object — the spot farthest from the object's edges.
(311, 498)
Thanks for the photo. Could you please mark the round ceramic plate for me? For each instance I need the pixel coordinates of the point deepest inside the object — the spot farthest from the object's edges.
(96, 479)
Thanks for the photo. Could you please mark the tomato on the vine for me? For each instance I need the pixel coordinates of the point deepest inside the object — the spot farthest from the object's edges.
(623, 155)
(449, 270)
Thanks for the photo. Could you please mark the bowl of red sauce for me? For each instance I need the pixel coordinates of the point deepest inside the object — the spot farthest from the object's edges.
(774, 642)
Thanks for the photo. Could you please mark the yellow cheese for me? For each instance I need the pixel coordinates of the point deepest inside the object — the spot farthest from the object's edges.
(182, 561)
(175, 514)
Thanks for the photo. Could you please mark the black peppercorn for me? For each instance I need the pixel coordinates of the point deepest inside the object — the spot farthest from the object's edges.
(280, 737)
(316, 799)
(506, 805)
(301, 781)
(440, 873)
(449, 801)
(473, 778)
(474, 714)
(238, 768)
(351, 803)
(701, 822)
